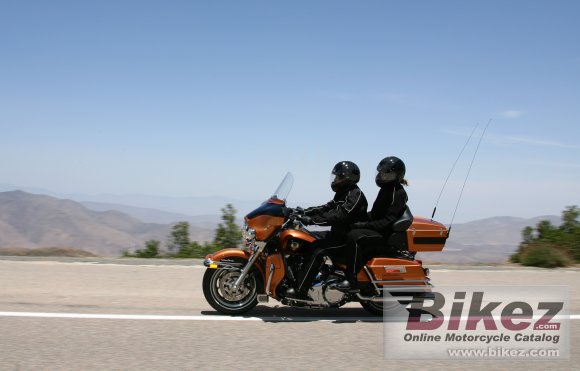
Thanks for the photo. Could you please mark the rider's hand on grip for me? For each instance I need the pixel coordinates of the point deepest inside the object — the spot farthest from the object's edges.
(306, 220)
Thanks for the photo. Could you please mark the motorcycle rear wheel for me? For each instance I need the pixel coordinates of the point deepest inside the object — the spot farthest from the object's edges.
(375, 308)
(220, 294)
(378, 308)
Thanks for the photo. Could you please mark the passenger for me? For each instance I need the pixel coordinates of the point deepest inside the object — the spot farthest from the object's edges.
(388, 207)
(348, 206)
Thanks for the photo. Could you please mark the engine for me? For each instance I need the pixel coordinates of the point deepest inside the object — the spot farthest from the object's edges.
(324, 293)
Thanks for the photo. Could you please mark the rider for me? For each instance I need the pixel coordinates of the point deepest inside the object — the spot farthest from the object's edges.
(388, 207)
(348, 206)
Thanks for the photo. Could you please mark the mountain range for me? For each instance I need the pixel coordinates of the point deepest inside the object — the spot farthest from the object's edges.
(30, 220)
(187, 206)
(490, 240)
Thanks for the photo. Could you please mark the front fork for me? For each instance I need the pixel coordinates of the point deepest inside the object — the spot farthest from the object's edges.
(257, 250)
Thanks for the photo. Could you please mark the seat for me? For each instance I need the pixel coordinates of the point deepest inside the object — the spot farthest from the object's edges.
(404, 222)
(396, 242)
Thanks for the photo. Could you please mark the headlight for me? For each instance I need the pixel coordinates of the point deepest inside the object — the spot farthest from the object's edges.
(248, 235)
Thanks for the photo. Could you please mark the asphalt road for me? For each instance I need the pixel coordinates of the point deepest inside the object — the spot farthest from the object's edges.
(183, 332)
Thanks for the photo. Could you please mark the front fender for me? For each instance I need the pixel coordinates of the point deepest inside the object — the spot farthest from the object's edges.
(229, 258)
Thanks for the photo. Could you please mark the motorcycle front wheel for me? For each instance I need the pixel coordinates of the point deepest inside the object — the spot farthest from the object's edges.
(220, 294)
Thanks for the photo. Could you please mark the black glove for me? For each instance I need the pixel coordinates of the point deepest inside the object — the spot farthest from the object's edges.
(319, 219)
(311, 211)
(360, 225)
(306, 220)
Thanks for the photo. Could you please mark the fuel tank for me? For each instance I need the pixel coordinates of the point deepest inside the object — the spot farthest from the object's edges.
(295, 241)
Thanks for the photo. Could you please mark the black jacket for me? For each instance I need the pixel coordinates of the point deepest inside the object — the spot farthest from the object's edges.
(347, 207)
(388, 208)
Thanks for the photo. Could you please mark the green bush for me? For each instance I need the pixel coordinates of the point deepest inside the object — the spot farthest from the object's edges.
(151, 250)
(545, 256)
(194, 250)
(549, 246)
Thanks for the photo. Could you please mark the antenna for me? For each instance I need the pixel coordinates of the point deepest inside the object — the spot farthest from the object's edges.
(452, 168)
(467, 176)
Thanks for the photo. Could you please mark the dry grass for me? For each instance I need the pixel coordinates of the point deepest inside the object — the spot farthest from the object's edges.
(46, 251)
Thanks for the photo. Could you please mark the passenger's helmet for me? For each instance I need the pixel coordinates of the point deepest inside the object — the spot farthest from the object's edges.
(344, 175)
(390, 169)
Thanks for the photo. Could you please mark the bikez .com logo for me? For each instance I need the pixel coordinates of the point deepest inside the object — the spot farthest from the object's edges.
(513, 316)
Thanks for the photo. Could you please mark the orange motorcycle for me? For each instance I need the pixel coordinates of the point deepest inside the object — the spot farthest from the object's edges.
(277, 246)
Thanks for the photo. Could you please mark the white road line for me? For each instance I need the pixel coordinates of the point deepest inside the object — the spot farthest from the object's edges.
(197, 318)
(500, 270)
(185, 318)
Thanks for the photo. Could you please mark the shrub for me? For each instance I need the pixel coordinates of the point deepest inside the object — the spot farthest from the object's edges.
(151, 250)
(550, 246)
(545, 256)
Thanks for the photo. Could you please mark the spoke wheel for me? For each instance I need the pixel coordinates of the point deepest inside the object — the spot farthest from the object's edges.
(219, 290)
(378, 307)
(373, 307)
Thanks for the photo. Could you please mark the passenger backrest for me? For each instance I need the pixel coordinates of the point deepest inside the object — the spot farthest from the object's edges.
(404, 222)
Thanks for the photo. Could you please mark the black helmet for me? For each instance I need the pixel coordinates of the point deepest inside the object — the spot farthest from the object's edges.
(390, 169)
(345, 174)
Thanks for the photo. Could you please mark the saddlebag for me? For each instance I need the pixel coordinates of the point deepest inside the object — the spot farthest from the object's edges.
(426, 235)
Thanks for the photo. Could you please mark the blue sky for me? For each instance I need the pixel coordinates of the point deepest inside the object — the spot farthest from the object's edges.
(200, 98)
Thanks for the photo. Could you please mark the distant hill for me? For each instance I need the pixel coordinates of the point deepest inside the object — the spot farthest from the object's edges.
(31, 221)
(149, 215)
(209, 205)
(490, 240)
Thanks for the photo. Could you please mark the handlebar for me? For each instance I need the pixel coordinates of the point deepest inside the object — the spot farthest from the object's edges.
(297, 216)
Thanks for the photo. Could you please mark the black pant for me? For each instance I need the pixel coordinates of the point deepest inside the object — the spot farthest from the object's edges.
(329, 244)
(359, 244)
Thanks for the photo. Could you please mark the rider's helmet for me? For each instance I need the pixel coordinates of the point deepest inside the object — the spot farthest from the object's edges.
(344, 175)
(390, 169)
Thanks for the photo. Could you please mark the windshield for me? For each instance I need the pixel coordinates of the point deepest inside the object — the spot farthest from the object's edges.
(284, 188)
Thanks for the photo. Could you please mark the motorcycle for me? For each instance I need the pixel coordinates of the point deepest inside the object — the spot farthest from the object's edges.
(278, 244)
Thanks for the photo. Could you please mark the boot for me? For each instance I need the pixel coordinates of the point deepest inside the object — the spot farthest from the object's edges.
(292, 293)
(344, 285)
